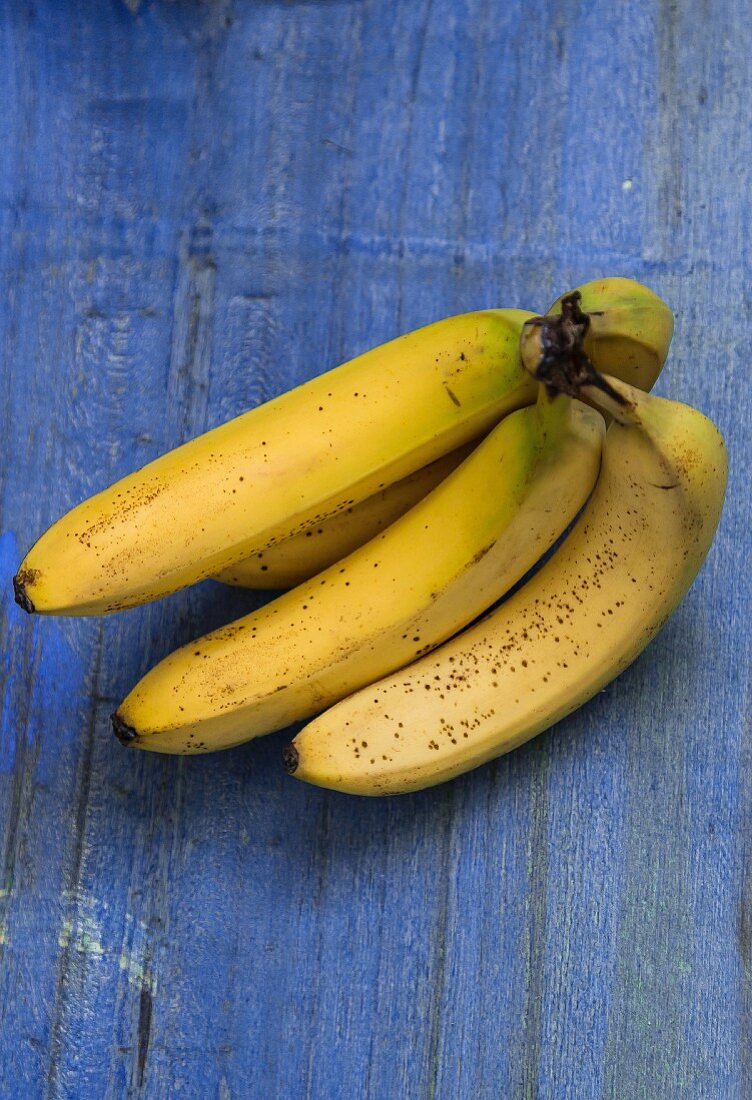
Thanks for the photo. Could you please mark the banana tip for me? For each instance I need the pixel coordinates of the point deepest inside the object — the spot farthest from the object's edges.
(23, 599)
(290, 759)
(125, 734)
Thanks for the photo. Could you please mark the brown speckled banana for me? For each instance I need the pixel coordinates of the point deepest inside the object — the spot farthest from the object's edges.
(280, 468)
(582, 619)
(287, 465)
(426, 576)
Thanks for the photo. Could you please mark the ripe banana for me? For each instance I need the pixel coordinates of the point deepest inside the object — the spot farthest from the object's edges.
(309, 454)
(580, 620)
(281, 467)
(629, 334)
(300, 557)
(426, 576)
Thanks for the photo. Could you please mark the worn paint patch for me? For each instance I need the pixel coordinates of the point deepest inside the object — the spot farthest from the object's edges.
(83, 931)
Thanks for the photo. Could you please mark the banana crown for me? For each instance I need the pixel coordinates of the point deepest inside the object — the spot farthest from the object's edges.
(629, 329)
(552, 349)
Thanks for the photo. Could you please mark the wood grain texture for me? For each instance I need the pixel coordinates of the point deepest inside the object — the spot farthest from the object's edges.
(202, 204)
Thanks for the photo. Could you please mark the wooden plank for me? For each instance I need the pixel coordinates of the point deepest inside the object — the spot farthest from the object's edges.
(201, 205)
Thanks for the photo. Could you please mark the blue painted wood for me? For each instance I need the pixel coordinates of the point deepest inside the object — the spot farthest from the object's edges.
(200, 205)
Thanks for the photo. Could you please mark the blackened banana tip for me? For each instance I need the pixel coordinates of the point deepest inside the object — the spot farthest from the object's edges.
(21, 596)
(290, 759)
(125, 734)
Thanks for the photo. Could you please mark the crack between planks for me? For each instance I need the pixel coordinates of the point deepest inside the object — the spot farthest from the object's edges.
(744, 919)
(52, 1084)
(538, 847)
(442, 925)
(322, 858)
(24, 764)
(151, 922)
(414, 81)
(145, 1005)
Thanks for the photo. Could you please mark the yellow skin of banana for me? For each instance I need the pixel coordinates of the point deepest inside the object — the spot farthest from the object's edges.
(281, 467)
(429, 574)
(577, 623)
(296, 559)
(629, 336)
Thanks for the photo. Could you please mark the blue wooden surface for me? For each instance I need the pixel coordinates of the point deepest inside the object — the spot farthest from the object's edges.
(202, 204)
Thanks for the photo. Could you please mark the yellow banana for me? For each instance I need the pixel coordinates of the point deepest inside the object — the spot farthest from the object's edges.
(281, 467)
(580, 620)
(309, 454)
(296, 559)
(426, 576)
(629, 335)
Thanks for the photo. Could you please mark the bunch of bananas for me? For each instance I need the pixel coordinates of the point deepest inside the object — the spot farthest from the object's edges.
(398, 498)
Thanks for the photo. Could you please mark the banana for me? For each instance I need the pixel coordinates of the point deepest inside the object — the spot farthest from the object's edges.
(279, 468)
(426, 576)
(300, 557)
(578, 622)
(310, 454)
(629, 335)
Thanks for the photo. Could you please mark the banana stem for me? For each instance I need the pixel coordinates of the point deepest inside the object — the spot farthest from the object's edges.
(623, 409)
(553, 351)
